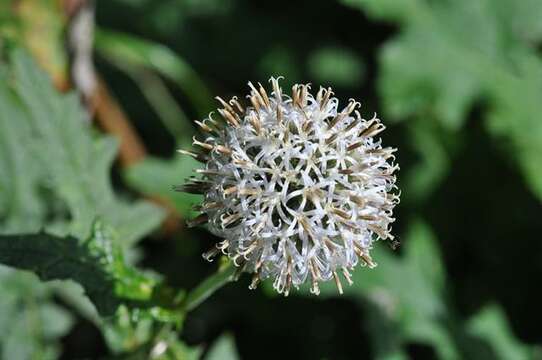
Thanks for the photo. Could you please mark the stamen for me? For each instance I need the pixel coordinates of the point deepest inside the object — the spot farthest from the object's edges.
(264, 96)
(230, 119)
(255, 93)
(279, 114)
(203, 126)
(338, 282)
(255, 122)
(230, 190)
(227, 220)
(325, 99)
(347, 276)
(340, 213)
(276, 89)
(372, 130)
(255, 281)
(295, 95)
(223, 149)
(238, 106)
(225, 104)
(332, 138)
(255, 103)
(199, 157)
(201, 144)
(354, 146)
(211, 253)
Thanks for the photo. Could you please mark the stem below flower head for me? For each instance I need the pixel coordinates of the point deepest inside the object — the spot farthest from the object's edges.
(214, 282)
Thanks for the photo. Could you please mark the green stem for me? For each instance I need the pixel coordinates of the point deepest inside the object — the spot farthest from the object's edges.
(209, 286)
(127, 49)
(159, 97)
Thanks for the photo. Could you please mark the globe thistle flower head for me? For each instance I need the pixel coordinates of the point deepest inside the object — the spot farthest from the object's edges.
(298, 188)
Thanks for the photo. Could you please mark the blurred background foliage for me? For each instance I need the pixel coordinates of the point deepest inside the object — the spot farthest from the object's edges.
(459, 84)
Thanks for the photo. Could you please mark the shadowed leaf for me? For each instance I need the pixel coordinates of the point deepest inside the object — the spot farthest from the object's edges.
(94, 263)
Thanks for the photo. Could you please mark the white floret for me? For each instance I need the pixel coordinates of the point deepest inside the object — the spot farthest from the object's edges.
(298, 189)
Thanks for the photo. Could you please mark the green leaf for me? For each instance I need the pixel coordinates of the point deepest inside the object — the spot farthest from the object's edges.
(491, 325)
(336, 66)
(451, 55)
(73, 165)
(422, 254)
(31, 324)
(408, 293)
(223, 349)
(95, 264)
(404, 284)
(20, 205)
(60, 180)
(126, 333)
(522, 19)
(422, 179)
(134, 334)
(513, 118)
(157, 177)
(413, 85)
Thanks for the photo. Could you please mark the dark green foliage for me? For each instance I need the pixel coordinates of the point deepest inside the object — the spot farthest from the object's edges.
(95, 264)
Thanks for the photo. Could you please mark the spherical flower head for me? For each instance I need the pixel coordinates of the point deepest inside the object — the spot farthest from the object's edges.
(298, 189)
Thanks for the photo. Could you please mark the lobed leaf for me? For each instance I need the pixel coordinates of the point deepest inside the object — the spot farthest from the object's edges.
(74, 165)
(449, 56)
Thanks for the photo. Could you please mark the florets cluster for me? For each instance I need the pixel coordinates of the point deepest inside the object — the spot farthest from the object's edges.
(297, 188)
